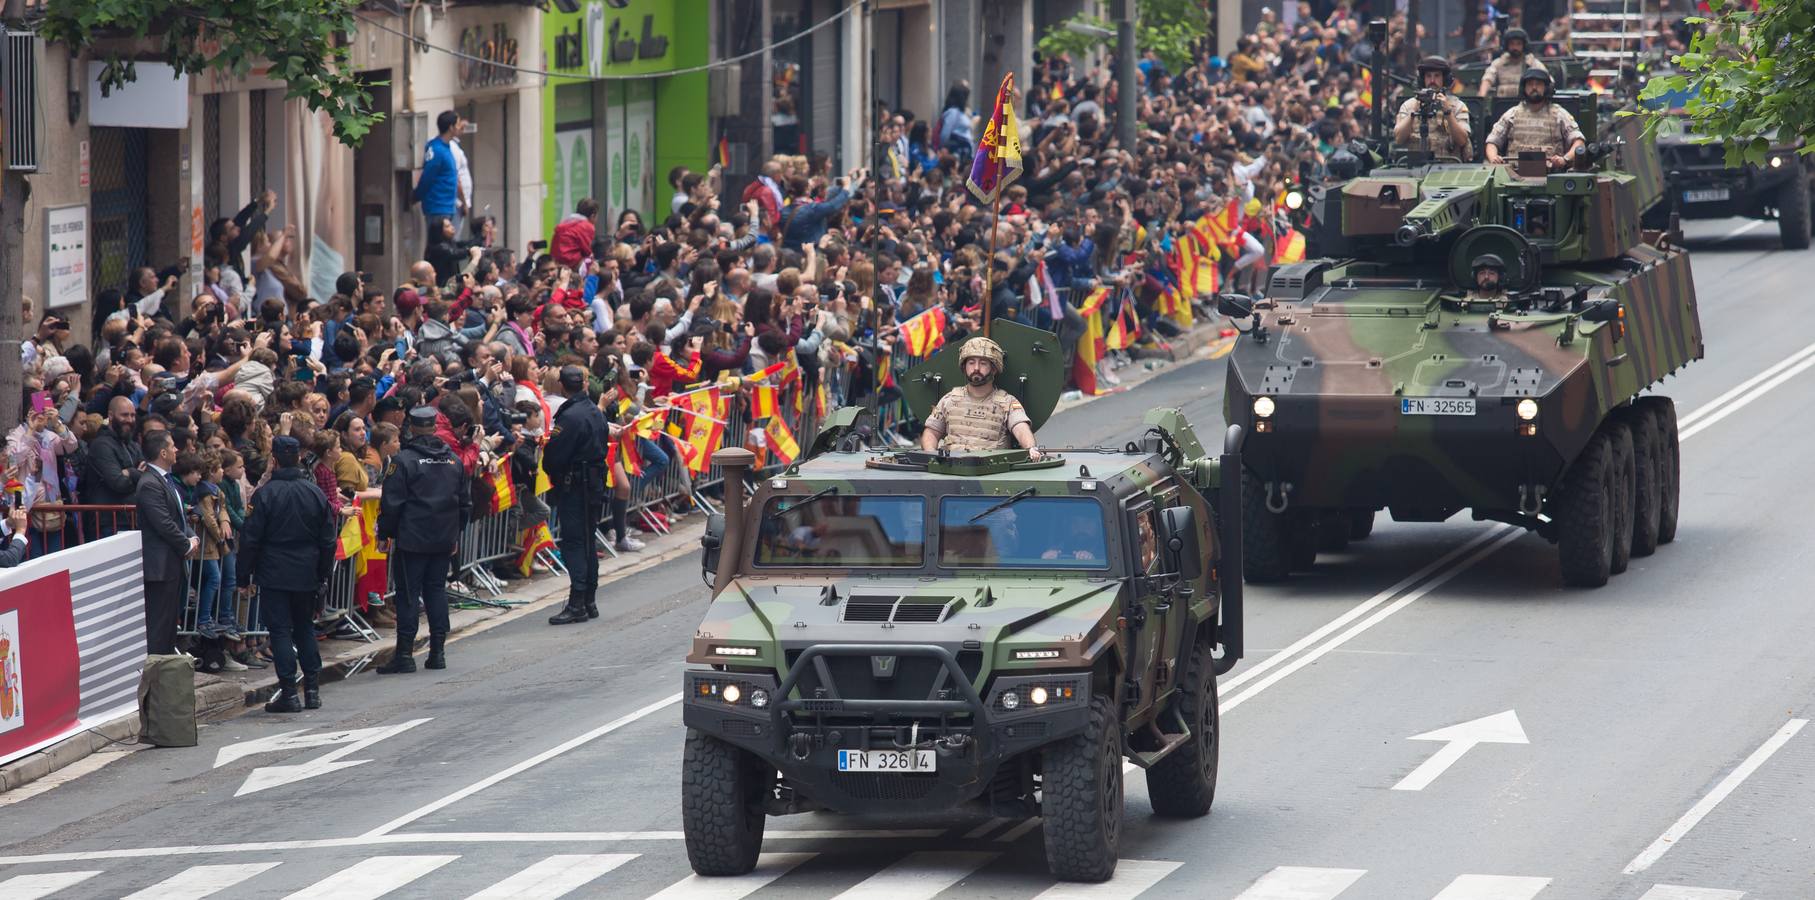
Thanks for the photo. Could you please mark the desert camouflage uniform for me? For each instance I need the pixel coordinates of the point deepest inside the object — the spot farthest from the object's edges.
(1502, 76)
(1441, 143)
(968, 424)
(1549, 128)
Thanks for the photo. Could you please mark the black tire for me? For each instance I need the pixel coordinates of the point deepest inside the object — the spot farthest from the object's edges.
(1584, 534)
(1183, 785)
(1264, 536)
(722, 792)
(1081, 798)
(1303, 538)
(1361, 524)
(1647, 458)
(1670, 469)
(1793, 202)
(1623, 492)
(1333, 531)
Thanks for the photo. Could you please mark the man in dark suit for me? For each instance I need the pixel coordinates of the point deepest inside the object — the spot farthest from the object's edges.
(167, 538)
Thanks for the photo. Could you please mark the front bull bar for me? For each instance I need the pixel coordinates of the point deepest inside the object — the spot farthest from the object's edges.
(970, 702)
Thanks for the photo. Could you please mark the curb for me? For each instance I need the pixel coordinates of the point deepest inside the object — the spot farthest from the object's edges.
(67, 752)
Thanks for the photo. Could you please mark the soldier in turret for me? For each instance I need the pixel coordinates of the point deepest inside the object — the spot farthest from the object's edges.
(1536, 124)
(1503, 75)
(979, 415)
(1489, 271)
(1449, 124)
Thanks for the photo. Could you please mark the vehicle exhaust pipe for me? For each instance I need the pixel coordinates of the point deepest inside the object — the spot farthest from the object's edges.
(734, 463)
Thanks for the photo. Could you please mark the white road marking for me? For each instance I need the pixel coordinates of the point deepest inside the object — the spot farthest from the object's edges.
(769, 866)
(1492, 887)
(31, 887)
(333, 761)
(372, 878)
(1742, 229)
(1015, 833)
(1132, 878)
(1499, 728)
(1741, 402)
(201, 881)
(556, 876)
(456, 837)
(918, 876)
(1706, 805)
(978, 832)
(1678, 892)
(1301, 883)
(1743, 387)
(529, 763)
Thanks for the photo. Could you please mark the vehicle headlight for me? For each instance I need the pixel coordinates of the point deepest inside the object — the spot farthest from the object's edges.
(1295, 200)
(1038, 696)
(731, 693)
(1776, 162)
(1527, 409)
(759, 698)
(1011, 700)
(1263, 406)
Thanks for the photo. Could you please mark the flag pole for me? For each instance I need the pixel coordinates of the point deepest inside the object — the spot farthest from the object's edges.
(989, 268)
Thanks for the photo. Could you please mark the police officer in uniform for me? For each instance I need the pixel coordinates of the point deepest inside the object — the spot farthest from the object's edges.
(575, 461)
(1536, 124)
(979, 415)
(1503, 74)
(1449, 123)
(426, 503)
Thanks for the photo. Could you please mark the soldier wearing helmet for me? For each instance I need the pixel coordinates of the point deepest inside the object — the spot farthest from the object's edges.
(979, 415)
(1449, 124)
(1536, 125)
(1503, 74)
(1489, 271)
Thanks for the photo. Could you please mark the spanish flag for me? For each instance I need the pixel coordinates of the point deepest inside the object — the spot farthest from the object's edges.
(819, 401)
(772, 370)
(781, 440)
(1223, 224)
(1290, 248)
(1126, 328)
(1091, 345)
(925, 332)
(763, 401)
(532, 541)
(702, 433)
(543, 485)
(504, 494)
(352, 537)
(371, 566)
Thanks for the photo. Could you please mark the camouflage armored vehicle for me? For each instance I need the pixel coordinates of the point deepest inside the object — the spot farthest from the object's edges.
(1375, 378)
(896, 632)
(1699, 183)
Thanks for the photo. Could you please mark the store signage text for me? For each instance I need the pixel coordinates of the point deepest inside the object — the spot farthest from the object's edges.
(652, 46)
(496, 57)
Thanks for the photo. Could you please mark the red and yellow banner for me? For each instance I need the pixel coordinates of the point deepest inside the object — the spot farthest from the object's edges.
(925, 332)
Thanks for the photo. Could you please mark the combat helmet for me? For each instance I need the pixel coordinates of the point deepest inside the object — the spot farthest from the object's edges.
(1435, 64)
(982, 348)
(1538, 73)
(1514, 34)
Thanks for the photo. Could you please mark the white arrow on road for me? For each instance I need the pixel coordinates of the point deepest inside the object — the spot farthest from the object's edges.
(355, 739)
(1499, 728)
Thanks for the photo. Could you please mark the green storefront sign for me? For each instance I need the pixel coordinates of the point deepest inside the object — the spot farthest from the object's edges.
(614, 138)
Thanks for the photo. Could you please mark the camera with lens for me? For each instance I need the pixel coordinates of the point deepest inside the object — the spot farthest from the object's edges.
(512, 418)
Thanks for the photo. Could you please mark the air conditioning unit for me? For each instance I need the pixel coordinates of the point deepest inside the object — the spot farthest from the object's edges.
(19, 69)
(725, 91)
(409, 132)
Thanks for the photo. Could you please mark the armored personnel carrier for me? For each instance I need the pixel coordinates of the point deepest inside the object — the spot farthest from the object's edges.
(1701, 184)
(896, 631)
(1376, 377)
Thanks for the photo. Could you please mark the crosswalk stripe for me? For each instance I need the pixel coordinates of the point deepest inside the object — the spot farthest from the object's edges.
(769, 866)
(200, 881)
(31, 887)
(1301, 883)
(371, 878)
(1679, 892)
(1132, 878)
(919, 876)
(554, 877)
(1493, 887)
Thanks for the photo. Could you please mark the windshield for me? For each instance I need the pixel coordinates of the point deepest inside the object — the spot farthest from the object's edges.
(842, 531)
(1033, 532)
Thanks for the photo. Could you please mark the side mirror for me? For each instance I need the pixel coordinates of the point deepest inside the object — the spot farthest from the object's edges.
(1235, 306)
(1601, 311)
(1184, 553)
(710, 543)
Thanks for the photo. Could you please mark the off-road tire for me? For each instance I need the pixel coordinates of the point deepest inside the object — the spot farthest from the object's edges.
(1647, 458)
(1670, 484)
(1585, 533)
(1623, 492)
(1333, 531)
(1264, 536)
(1793, 202)
(1183, 785)
(1303, 538)
(1081, 798)
(722, 792)
(1361, 524)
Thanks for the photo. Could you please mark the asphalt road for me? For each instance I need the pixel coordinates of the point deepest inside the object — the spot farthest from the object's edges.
(1644, 735)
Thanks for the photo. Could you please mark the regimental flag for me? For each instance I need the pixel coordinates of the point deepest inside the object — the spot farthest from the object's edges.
(1290, 247)
(763, 401)
(1091, 345)
(781, 440)
(998, 160)
(352, 537)
(925, 332)
(531, 541)
(1126, 328)
(504, 494)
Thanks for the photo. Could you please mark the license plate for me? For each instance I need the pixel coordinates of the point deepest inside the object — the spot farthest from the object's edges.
(885, 761)
(1436, 406)
(1707, 195)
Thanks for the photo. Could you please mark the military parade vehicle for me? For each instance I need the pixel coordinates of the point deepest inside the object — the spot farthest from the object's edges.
(1701, 184)
(897, 632)
(1372, 377)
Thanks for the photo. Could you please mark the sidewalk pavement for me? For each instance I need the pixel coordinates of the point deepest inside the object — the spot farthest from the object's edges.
(229, 694)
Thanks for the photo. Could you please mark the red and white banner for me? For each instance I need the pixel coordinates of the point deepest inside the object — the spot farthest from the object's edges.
(72, 642)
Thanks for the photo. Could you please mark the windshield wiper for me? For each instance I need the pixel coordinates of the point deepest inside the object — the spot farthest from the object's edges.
(825, 492)
(1018, 496)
